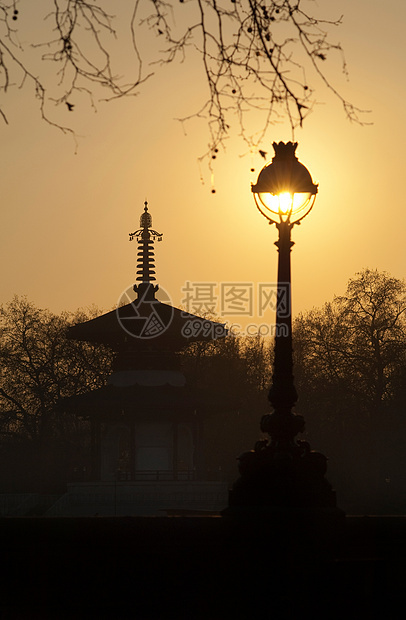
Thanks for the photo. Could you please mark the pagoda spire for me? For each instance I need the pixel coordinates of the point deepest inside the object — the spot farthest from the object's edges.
(145, 257)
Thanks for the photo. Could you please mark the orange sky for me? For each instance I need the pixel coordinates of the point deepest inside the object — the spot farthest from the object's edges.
(66, 216)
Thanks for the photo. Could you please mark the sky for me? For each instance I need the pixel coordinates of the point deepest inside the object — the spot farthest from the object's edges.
(67, 210)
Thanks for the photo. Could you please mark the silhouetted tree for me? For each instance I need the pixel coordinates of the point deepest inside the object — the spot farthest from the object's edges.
(257, 55)
(374, 309)
(39, 367)
(357, 342)
(350, 359)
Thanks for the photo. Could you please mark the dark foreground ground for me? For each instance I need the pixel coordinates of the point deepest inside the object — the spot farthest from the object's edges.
(202, 568)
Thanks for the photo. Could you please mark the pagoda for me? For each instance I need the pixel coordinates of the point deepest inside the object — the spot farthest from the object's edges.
(146, 422)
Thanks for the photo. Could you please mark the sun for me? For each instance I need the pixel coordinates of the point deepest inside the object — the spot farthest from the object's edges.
(285, 205)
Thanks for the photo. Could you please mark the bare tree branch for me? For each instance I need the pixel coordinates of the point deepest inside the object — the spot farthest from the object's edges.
(257, 56)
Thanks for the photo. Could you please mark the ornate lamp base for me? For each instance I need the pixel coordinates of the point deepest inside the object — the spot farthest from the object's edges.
(285, 493)
(293, 477)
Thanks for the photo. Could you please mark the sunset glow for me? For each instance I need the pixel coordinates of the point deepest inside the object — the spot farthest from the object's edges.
(67, 210)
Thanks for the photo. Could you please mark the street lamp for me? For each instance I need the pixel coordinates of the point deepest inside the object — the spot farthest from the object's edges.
(284, 193)
(282, 471)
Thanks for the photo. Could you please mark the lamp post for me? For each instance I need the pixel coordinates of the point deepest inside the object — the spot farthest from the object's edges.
(284, 193)
(283, 472)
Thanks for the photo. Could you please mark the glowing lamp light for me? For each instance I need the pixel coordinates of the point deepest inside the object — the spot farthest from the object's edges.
(284, 191)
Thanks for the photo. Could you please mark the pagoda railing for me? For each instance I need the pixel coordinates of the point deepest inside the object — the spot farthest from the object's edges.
(156, 475)
(163, 475)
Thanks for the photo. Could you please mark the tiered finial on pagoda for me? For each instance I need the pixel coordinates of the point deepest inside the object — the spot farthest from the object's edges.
(146, 261)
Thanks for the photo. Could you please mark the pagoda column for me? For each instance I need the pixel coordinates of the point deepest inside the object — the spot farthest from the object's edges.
(132, 450)
(95, 440)
(175, 447)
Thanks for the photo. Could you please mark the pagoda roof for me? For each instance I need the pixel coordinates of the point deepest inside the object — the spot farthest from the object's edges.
(143, 325)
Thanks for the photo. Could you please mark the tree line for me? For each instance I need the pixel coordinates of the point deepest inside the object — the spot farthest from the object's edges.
(40, 367)
(350, 374)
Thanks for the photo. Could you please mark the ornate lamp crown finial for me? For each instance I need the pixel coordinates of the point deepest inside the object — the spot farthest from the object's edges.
(285, 150)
